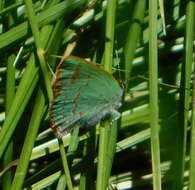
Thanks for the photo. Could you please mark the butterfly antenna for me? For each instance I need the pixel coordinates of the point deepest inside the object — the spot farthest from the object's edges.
(118, 65)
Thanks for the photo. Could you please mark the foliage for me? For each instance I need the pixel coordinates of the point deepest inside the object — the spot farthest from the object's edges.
(148, 48)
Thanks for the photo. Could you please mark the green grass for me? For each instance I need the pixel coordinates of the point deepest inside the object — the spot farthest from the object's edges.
(147, 47)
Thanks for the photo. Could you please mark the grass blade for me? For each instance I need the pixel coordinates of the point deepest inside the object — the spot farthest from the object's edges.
(153, 91)
(38, 111)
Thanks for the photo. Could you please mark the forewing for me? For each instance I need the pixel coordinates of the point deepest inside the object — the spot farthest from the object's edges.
(81, 90)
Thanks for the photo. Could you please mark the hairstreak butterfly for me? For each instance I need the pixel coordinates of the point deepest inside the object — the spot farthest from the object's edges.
(84, 94)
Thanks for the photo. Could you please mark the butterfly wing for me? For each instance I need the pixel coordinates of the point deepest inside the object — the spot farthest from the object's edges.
(83, 95)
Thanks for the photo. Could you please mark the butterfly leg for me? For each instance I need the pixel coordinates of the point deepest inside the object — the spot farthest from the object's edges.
(115, 115)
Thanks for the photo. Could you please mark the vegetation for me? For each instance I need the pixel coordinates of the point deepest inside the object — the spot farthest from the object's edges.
(147, 46)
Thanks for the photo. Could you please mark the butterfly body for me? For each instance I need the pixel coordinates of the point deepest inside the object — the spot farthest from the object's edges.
(84, 94)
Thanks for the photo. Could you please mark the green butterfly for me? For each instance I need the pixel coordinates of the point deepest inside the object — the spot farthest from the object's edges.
(84, 94)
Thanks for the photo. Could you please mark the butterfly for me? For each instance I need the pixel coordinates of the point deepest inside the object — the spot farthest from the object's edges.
(84, 95)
